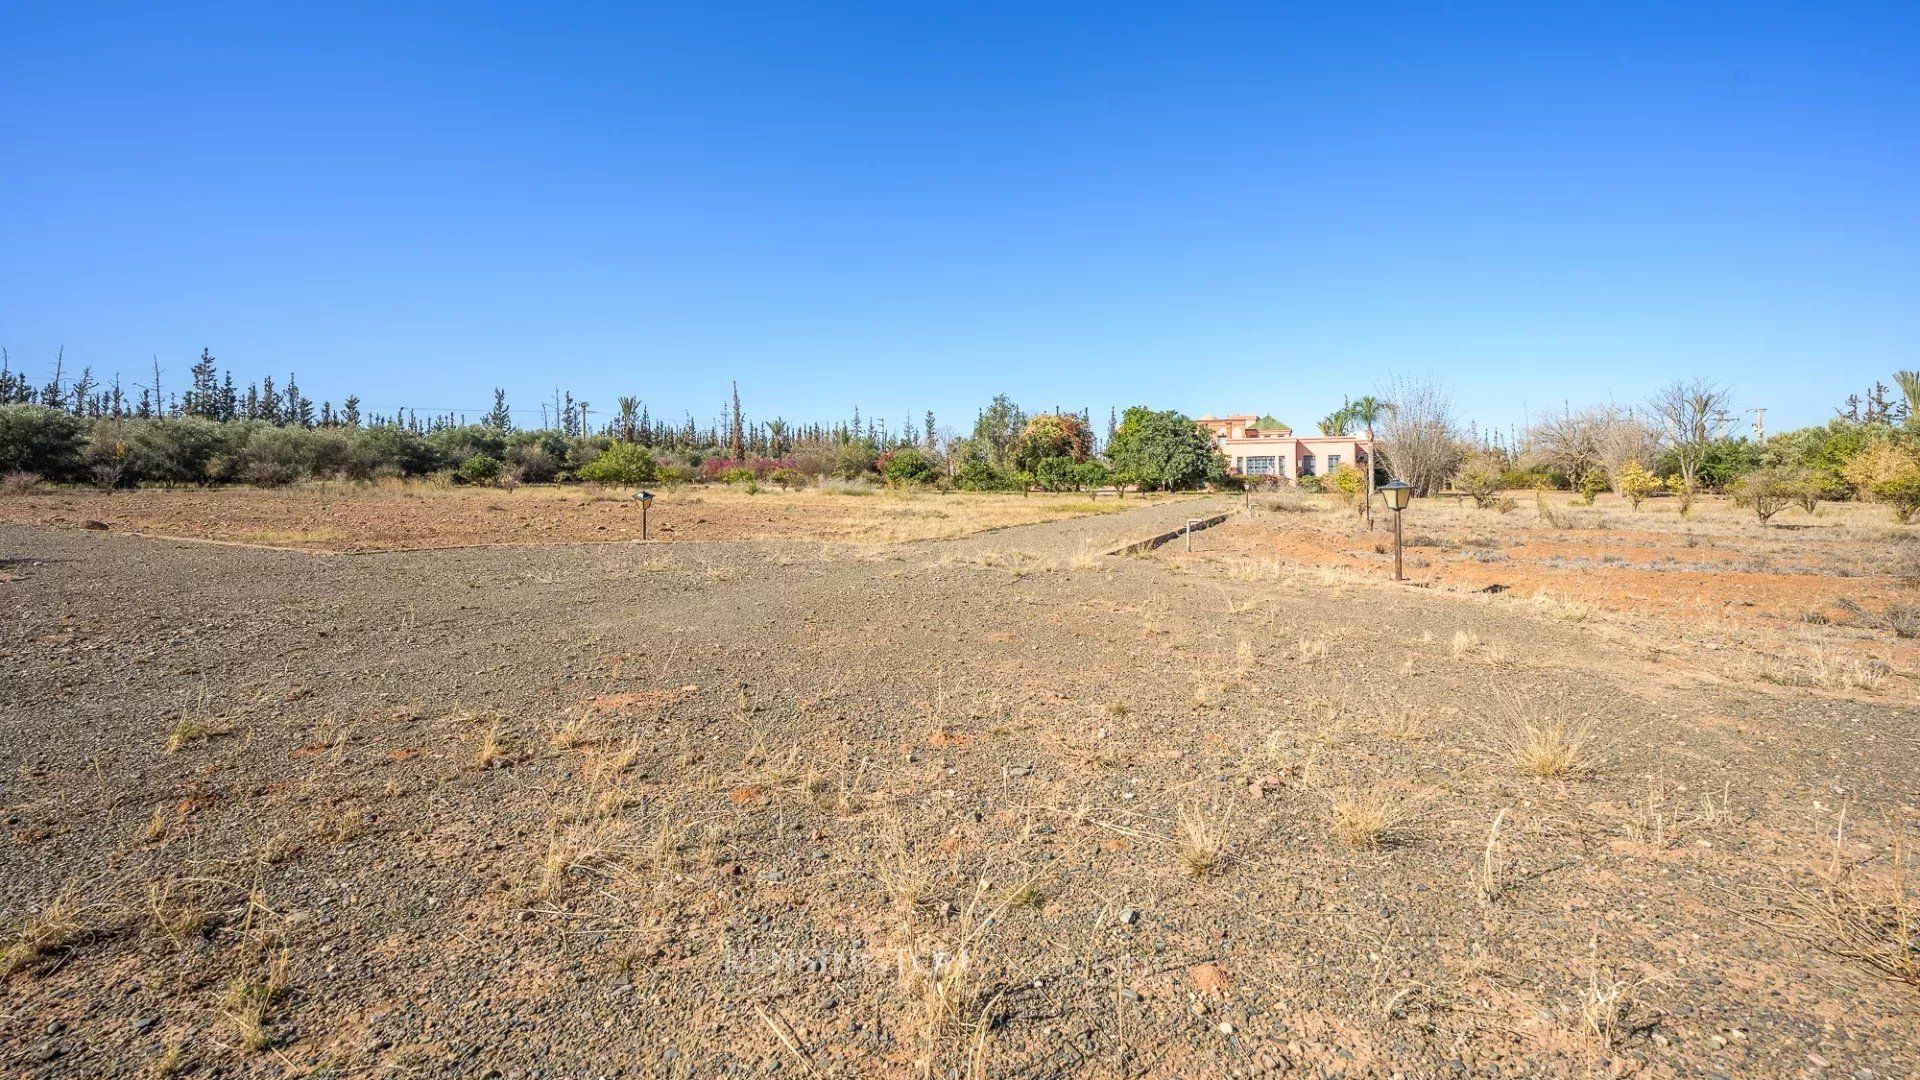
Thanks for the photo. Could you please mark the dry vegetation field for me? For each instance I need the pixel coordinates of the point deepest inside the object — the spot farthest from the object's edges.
(970, 805)
(333, 516)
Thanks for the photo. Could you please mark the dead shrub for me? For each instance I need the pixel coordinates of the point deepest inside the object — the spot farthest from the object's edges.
(1201, 840)
(1540, 740)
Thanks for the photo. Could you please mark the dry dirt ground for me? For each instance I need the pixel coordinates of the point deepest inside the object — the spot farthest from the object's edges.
(994, 806)
(338, 517)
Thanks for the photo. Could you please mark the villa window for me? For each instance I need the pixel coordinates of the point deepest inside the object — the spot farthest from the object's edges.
(1307, 465)
(1333, 462)
(1259, 466)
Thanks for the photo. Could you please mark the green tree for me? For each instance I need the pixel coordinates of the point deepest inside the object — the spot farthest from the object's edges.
(621, 463)
(36, 439)
(1052, 435)
(1055, 473)
(997, 430)
(1163, 450)
(908, 465)
(980, 475)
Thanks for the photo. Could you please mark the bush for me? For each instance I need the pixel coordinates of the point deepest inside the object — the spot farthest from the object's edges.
(19, 483)
(1888, 473)
(1091, 475)
(1766, 491)
(787, 478)
(1479, 477)
(908, 465)
(713, 470)
(378, 451)
(176, 451)
(621, 463)
(478, 469)
(1054, 474)
(271, 457)
(673, 475)
(1901, 493)
(460, 444)
(110, 454)
(1533, 478)
(1636, 483)
(533, 464)
(981, 476)
(1348, 483)
(1592, 484)
(852, 461)
(1311, 484)
(1685, 492)
(585, 450)
(739, 474)
(34, 438)
(814, 460)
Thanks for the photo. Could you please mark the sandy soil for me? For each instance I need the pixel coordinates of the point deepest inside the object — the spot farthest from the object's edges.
(341, 517)
(992, 806)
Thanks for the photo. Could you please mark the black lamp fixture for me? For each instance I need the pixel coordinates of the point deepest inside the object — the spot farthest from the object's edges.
(1398, 495)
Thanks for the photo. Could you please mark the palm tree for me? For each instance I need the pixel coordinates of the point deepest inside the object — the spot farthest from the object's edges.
(1367, 411)
(1909, 383)
(1337, 422)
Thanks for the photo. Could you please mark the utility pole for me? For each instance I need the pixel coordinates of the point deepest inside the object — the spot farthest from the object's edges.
(1759, 425)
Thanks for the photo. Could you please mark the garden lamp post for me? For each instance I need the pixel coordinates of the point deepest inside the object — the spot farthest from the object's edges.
(645, 499)
(1398, 493)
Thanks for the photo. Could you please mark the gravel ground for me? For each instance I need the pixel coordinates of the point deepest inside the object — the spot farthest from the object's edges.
(939, 808)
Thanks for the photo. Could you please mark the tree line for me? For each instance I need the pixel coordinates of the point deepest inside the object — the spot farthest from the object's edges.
(1680, 442)
(214, 430)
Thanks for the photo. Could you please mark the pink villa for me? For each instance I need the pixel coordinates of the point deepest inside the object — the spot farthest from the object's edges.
(1263, 446)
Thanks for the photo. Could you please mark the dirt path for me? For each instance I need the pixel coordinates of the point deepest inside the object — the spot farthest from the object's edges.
(682, 809)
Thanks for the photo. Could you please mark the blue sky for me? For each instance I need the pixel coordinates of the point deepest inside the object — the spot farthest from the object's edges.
(912, 206)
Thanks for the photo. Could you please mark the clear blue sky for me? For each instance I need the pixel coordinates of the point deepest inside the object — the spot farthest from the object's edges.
(912, 206)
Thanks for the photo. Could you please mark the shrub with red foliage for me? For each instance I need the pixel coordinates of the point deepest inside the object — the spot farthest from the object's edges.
(712, 469)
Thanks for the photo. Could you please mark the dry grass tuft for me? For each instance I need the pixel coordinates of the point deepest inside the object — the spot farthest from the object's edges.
(1607, 1001)
(491, 751)
(252, 998)
(171, 1060)
(1200, 839)
(57, 926)
(905, 880)
(1874, 920)
(1085, 559)
(194, 730)
(179, 909)
(1544, 742)
(1490, 881)
(344, 827)
(588, 847)
(1465, 643)
(1371, 817)
(1406, 724)
(572, 732)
